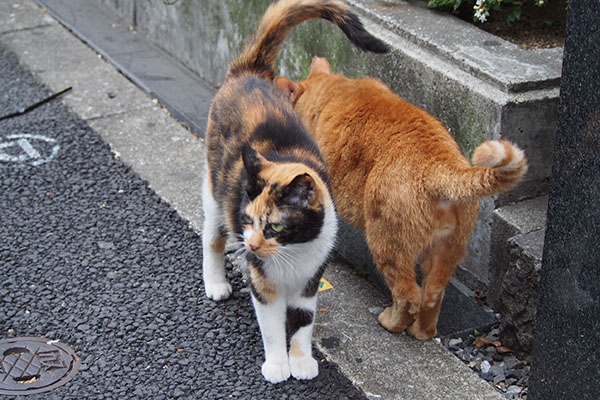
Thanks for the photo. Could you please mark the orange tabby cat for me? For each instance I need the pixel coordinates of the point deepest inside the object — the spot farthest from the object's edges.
(398, 174)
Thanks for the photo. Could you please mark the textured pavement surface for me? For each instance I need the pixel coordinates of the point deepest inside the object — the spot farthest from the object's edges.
(90, 255)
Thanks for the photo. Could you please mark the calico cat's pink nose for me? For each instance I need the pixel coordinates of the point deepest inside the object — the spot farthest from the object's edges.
(253, 247)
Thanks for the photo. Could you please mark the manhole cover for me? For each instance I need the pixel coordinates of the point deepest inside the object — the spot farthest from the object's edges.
(34, 365)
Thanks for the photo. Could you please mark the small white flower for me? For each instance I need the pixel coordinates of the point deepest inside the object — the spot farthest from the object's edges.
(481, 11)
(482, 17)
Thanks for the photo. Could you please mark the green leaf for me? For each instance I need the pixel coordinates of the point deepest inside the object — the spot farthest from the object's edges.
(513, 15)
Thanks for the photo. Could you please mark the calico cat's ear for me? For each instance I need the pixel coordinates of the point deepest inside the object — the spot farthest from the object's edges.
(253, 164)
(290, 89)
(252, 160)
(301, 192)
(319, 65)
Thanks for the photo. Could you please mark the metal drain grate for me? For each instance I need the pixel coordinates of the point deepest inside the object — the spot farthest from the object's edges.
(32, 365)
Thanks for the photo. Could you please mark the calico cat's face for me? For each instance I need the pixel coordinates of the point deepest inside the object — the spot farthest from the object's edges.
(283, 204)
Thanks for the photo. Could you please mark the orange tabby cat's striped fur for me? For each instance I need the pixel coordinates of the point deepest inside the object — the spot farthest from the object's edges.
(267, 189)
(399, 175)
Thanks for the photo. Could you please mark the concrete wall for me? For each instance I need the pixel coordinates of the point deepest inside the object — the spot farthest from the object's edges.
(478, 85)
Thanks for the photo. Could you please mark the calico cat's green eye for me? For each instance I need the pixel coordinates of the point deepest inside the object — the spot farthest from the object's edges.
(246, 220)
(276, 227)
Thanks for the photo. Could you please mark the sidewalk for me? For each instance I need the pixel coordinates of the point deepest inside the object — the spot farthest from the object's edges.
(161, 356)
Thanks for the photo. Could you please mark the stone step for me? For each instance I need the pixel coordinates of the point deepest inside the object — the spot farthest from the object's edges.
(517, 246)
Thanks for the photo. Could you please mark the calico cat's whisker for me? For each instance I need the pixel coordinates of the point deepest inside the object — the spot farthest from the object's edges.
(292, 250)
(284, 266)
(241, 252)
(278, 261)
(287, 259)
(233, 246)
(290, 257)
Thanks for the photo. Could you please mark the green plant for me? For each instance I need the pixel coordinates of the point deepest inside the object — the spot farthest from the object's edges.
(480, 9)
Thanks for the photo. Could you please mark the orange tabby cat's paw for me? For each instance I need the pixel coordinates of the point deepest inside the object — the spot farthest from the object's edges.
(417, 332)
(395, 321)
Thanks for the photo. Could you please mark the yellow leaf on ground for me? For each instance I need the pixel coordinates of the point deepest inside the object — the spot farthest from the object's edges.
(324, 285)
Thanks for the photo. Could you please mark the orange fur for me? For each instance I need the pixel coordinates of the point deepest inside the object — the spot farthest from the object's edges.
(399, 175)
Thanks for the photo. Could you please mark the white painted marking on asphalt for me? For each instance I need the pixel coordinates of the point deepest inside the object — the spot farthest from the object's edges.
(27, 149)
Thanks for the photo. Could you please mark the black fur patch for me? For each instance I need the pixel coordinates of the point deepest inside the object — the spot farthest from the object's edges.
(300, 225)
(357, 34)
(252, 166)
(223, 232)
(285, 135)
(297, 318)
(259, 297)
(312, 286)
(300, 192)
(251, 161)
(256, 262)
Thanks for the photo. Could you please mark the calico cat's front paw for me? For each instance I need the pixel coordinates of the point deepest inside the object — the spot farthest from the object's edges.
(218, 291)
(304, 368)
(275, 372)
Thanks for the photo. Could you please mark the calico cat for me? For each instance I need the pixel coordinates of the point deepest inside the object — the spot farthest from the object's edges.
(398, 175)
(267, 189)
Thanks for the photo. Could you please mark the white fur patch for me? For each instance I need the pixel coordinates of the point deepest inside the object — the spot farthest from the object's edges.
(495, 154)
(517, 160)
(216, 286)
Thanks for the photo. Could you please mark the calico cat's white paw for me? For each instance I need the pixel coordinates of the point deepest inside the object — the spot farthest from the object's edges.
(304, 368)
(218, 291)
(274, 372)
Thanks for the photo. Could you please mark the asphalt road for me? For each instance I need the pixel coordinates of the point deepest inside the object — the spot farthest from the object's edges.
(89, 255)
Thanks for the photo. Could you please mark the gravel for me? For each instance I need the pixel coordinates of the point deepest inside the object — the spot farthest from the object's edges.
(91, 256)
(483, 353)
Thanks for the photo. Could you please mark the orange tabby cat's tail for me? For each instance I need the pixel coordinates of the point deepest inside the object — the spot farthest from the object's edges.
(260, 54)
(498, 165)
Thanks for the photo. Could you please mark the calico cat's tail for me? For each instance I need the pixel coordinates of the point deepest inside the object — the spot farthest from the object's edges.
(281, 17)
(498, 165)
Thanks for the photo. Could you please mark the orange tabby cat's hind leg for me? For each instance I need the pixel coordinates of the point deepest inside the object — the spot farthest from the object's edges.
(394, 249)
(425, 324)
(406, 299)
(439, 263)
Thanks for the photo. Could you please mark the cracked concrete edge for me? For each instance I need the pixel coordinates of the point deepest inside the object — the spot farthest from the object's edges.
(165, 154)
(471, 49)
(525, 216)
